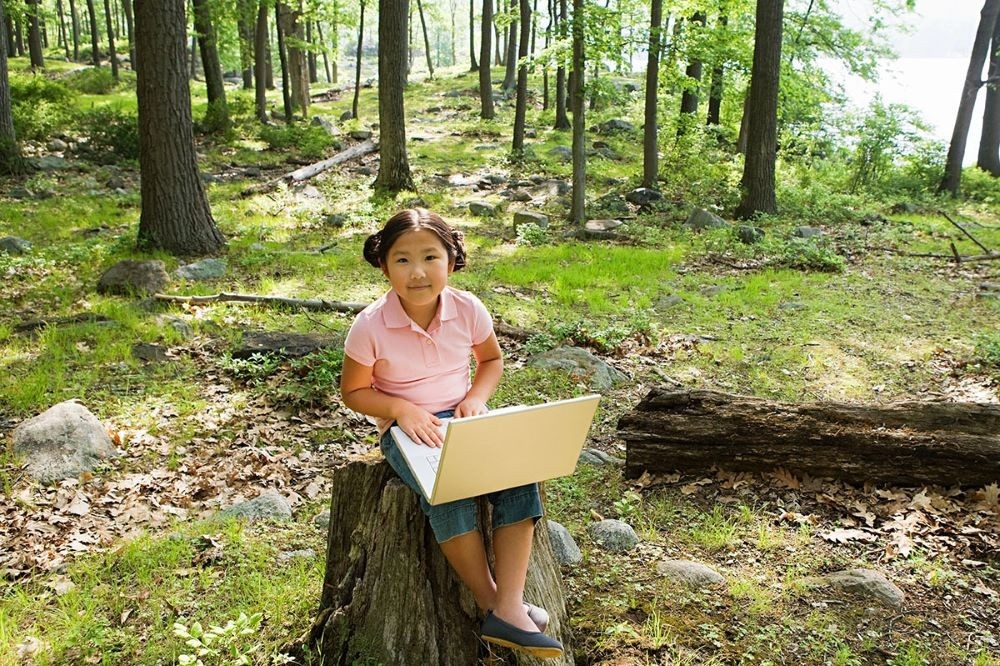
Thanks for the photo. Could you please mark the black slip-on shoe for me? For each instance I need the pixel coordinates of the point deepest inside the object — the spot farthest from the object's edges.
(535, 643)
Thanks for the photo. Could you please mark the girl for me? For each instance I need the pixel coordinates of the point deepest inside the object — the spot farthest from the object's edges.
(407, 361)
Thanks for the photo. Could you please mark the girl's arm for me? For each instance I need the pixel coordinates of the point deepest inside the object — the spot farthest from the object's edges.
(357, 392)
(489, 368)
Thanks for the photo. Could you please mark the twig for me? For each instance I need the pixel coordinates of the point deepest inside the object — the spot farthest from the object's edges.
(965, 231)
(308, 304)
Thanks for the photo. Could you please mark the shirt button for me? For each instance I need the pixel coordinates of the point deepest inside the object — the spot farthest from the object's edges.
(430, 342)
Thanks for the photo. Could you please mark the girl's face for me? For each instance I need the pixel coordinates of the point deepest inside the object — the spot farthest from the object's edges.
(417, 266)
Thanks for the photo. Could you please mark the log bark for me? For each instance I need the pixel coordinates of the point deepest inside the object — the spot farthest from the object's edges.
(904, 443)
(307, 172)
(389, 595)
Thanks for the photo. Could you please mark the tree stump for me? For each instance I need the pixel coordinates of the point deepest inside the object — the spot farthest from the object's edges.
(905, 443)
(389, 595)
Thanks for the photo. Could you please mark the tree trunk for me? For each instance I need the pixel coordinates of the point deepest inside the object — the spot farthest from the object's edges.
(357, 63)
(74, 21)
(245, 15)
(692, 81)
(217, 114)
(579, 149)
(296, 65)
(907, 443)
(389, 596)
(474, 66)
(11, 160)
(129, 31)
(63, 36)
(427, 41)
(762, 133)
(175, 212)
(521, 102)
(486, 111)
(952, 180)
(326, 57)
(650, 143)
(260, 49)
(112, 52)
(286, 95)
(311, 54)
(95, 38)
(715, 87)
(394, 167)
(35, 54)
(989, 143)
(562, 118)
(510, 66)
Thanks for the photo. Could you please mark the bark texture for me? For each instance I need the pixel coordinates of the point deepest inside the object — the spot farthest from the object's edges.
(650, 133)
(903, 443)
(389, 595)
(175, 212)
(394, 166)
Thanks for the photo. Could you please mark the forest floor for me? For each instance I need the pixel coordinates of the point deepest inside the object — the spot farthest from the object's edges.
(97, 569)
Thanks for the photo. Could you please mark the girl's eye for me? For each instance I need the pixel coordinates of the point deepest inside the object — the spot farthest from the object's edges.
(401, 260)
(431, 257)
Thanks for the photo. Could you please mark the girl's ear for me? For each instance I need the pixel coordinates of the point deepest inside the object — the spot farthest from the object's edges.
(381, 267)
(451, 266)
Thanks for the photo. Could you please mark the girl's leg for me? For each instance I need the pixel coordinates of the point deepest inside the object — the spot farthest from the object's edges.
(467, 556)
(512, 550)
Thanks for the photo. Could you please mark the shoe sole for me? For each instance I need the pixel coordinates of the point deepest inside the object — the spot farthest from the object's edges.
(540, 652)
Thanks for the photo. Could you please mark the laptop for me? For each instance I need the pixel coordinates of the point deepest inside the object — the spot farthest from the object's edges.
(504, 448)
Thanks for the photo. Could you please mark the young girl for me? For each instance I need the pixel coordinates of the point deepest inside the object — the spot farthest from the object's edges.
(407, 361)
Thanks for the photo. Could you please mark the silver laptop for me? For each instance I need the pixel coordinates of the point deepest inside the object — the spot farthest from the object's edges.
(505, 448)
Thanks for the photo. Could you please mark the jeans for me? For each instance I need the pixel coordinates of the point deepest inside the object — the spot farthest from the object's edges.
(452, 519)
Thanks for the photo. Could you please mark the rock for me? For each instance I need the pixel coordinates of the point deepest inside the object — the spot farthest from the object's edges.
(866, 583)
(700, 220)
(130, 277)
(598, 457)
(51, 163)
(322, 520)
(21, 192)
(177, 324)
(519, 195)
(63, 442)
(482, 209)
(668, 301)
(287, 345)
(581, 365)
(252, 172)
(807, 232)
(529, 217)
(346, 115)
(691, 574)
(361, 135)
(643, 196)
(116, 182)
(749, 234)
(290, 556)
(320, 121)
(616, 125)
(562, 153)
(145, 351)
(206, 269)
(613, 535)
(14, 245)
(269, 505)
(58, 145)
(563, 546)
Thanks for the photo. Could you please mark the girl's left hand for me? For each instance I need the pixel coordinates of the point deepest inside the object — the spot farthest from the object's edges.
(470, 407)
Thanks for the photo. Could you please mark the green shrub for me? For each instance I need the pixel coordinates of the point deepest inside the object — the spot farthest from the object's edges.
(91, 81)
(978, 185)
(40, 107)
(34, 88)
(309, 141)
(113, 133)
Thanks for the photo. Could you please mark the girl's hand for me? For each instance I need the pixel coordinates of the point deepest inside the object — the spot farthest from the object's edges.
(421, 426)
(470, 407)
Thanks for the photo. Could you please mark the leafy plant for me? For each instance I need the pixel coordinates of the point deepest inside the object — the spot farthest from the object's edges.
(219, 645)
(91, 80)
(113, 133)
(531, 234)
(308, 140)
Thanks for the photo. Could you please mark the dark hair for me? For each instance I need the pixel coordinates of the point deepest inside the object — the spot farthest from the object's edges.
(377, 245)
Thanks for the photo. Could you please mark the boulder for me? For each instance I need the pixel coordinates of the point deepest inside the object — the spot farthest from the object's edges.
(63, 442)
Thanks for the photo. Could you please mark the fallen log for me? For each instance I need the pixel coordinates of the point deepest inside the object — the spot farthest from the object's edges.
(390, 597)
(307, 172)
(905, 443)
(304, 303)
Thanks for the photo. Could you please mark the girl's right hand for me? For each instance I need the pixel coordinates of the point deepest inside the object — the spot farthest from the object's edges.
(421, 426)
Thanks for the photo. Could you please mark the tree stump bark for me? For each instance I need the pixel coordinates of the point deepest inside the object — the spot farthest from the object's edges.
(905, 443)
(390, 596)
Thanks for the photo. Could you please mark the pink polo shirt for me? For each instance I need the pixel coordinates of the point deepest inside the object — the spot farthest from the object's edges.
(429, 368)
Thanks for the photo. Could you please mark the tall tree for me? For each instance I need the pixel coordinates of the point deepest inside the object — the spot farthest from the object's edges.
(246, 13)
(261, 46)
(989, 142)
(579, 150)
(521, 99)
(692, 75)
(486, 111)
(112, 53)
(34, 37)
(217, 114)
(427, 41)
(95, 37)
(474, 67)
(952, 180)
(394, 167)
(357, 62)
(757, 184)
(650, 142)
(11, 160)
(715, 86)
(562, 118)
(74, 21)
(510, 59)
(62, 28)
(129, 30)
(175, 212)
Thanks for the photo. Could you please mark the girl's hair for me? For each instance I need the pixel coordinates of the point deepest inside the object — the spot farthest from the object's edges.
(377, 245)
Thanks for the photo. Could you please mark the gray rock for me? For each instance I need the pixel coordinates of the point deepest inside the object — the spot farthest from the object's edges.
(519, 196)
(14, 245)
(145, 351)
(616, 125)
(529, 217)
(51, 163)
(482, 209)
(690, 574)
(284, 344)
(269, 505)
(346, 115)
(336, 220)
(320, 121)
(668, 301)
(563, 546)
(206, 269)
(700, 219)
(130, 277)
(291, 555)
(252, 172)
(177, 324)
(361, 135)
(749, 234)
(562, 153)
(598, 457)
(310, 192)
(58, 145)
(613, 535)
(322, 520)
(643, 196)
(807, 232)
(866, 583)
(63, 442)
(580, 364)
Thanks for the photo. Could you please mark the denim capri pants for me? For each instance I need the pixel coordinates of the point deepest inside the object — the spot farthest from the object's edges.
(452, 519)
